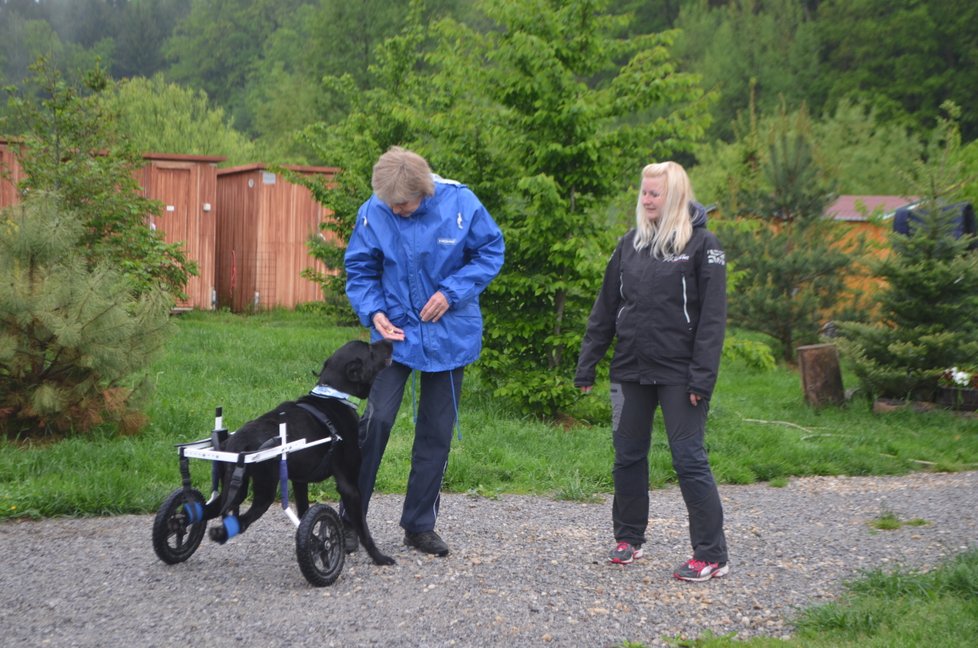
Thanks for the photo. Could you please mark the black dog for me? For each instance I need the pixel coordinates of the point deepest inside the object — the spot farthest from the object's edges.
(324, 412)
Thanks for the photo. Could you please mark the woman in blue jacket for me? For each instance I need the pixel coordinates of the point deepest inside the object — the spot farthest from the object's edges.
(422, 251)
(664, 299)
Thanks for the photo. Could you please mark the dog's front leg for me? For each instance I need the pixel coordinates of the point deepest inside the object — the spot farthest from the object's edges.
(352, 502)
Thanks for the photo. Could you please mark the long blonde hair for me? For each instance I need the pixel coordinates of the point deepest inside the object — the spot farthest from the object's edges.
(668, 235)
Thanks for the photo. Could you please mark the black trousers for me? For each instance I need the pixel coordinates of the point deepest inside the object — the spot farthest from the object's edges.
(633, 408)
(437, 408)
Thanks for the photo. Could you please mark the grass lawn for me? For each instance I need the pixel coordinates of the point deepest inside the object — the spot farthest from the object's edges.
(760, 429)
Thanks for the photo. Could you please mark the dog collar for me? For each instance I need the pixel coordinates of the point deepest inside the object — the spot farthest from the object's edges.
(325, 391)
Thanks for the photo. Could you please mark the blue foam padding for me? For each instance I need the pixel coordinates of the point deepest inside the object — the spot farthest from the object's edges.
(195, 512)
(231, 526)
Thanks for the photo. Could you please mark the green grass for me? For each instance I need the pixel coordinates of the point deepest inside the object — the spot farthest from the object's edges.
(759, 429)
(898, 609)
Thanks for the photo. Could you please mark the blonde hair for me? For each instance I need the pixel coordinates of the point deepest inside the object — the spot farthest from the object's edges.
(670, 233)
(401, 176)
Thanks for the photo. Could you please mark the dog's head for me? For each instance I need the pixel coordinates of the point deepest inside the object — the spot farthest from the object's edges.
(353, 367)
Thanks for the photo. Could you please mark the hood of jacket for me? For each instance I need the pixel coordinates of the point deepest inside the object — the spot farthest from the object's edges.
(697, 214)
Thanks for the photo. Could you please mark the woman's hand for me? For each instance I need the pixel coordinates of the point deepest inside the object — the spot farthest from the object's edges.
(436, 307)
(694, 399)
(387, 330)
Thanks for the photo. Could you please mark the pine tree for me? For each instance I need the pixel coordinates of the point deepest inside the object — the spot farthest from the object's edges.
(75, 343)
(791, 261)
(928, 312)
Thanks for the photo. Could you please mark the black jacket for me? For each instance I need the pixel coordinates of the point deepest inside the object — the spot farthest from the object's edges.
(669, 315)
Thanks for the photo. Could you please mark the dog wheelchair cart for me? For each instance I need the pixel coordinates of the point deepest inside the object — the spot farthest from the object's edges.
(181, 521)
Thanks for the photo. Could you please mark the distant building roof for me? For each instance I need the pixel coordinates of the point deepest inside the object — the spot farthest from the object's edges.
(857, 208)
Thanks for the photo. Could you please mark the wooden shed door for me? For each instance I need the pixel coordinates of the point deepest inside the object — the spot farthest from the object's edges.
(178, 222)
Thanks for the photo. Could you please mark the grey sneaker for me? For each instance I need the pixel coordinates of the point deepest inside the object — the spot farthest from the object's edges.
(624, 553)
(350, 539)
(427, 541)
(698, 571)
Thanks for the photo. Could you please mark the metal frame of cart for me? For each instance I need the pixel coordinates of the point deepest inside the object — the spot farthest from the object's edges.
(182, 518)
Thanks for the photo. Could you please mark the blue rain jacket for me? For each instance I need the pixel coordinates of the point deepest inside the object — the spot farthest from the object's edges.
(394, 264)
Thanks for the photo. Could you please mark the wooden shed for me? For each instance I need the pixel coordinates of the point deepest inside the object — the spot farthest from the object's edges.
(264, 223)
(10, 173)
(187, 187)
(871, 219)
(871, 216)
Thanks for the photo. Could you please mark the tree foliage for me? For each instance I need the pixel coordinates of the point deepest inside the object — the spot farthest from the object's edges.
(862, 154)
(71, 148)
(155, 115)
(75, 341)
(901, 57)
(764, 52)
(216, 45)
(533, 114)
(791, 262)
(928, 311)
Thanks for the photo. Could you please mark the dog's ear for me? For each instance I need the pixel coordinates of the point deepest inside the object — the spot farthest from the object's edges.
(354, 370)
(322, 372)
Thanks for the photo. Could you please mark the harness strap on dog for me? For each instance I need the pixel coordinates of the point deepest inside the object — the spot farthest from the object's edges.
(234, 484)
(323, 420)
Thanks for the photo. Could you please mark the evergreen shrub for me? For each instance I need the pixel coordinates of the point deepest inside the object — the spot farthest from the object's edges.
(76, 341)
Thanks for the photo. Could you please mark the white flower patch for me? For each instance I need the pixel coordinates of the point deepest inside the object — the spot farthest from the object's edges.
(962, 378)
(716, 256)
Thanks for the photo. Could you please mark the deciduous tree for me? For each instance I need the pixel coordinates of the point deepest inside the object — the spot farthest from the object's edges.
(536, 114)
(71, 148)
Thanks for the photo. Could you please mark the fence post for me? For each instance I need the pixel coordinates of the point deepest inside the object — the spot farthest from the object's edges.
(821, 378)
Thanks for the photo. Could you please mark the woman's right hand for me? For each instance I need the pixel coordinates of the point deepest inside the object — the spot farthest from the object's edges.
(387, 330)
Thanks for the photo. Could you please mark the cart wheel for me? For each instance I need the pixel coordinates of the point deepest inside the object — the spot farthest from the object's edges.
(319, 545)
(179, 526)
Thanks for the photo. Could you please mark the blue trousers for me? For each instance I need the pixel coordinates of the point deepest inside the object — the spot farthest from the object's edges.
(633, 407)
(437, 410)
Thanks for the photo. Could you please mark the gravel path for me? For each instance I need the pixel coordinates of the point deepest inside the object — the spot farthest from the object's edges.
(524, 571)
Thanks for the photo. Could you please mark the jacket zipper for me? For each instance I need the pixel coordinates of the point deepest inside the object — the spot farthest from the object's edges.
(621, 293)
(685, 311)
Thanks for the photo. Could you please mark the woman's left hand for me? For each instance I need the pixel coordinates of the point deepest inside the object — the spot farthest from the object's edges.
(436, 307)
(694, 399)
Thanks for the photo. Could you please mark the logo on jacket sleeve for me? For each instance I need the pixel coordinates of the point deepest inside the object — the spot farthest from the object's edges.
(716, 256)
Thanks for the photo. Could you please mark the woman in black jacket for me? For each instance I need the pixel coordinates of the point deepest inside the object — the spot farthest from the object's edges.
(664, 299)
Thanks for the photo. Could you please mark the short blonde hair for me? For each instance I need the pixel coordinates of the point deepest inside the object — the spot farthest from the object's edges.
(671, 232)
(402, 176)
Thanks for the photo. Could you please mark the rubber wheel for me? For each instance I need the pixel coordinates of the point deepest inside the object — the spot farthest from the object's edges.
(175, 537)
(319, 545)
